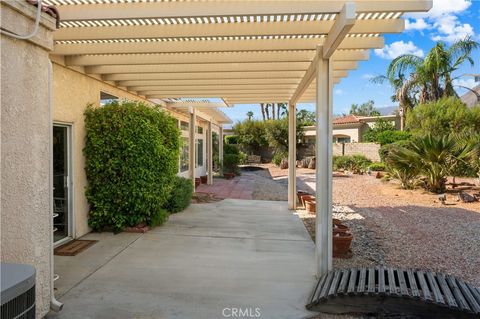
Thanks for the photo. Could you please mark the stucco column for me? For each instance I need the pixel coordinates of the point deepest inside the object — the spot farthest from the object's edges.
(220, 146)
(210, 153)
(292, 156)
(323, 153)
(191, 148)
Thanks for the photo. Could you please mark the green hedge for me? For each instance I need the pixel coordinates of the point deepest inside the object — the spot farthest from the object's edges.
(180, 196)
(377, 166)
(355, 163)
(231, 139)
(230, 163)
(131, 153)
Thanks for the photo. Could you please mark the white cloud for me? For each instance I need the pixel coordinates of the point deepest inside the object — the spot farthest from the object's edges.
(416, 24)
(469, 83)
(391, 51)
(443, 7)
(339, 92)
(442, 18)
(368, 76)
(449, 29)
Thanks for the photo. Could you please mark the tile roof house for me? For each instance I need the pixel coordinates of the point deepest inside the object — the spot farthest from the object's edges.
(350, 128)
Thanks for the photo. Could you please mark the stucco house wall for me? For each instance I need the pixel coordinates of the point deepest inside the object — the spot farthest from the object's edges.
(353, 132)
(72, 91)
(26, 218)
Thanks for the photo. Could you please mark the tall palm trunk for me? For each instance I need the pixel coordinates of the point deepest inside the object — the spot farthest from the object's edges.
(262, 106)
(273, 110)
(278, 110)
(267, 112)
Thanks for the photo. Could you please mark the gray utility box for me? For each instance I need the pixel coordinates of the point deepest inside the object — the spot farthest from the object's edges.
(18, 291)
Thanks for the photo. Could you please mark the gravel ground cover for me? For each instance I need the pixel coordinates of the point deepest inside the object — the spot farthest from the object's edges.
(404, 228)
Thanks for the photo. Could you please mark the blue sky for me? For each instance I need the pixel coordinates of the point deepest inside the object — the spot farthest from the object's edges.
(449, 20)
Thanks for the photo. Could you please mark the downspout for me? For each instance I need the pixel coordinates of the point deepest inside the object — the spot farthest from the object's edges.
(55, 305)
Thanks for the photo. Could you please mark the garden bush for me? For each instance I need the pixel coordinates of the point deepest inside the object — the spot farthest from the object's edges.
(131, 152)
(377, 166)
(230, 149)
(231, 139)
(230, 163)
(356, 163)
(278, 157)
(180, 196)
(386, 149)
(443, 117)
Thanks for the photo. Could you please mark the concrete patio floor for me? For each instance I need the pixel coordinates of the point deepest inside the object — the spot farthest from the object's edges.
(202, 263)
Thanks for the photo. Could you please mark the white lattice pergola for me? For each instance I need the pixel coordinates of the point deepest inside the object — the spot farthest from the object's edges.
(249, 51)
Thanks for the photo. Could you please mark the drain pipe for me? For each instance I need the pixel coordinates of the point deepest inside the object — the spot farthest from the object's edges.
(55, 305)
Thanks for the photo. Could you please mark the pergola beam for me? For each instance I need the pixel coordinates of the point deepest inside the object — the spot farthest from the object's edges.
(203, 57)
(152, 10)
(211, 45)
(221, 30)
(265, 75)
(134, 63)
(343, 23)
(136, 85)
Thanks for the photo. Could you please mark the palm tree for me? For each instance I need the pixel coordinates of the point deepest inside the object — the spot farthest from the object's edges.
(423, 80)
(250, 115)
(262, 106)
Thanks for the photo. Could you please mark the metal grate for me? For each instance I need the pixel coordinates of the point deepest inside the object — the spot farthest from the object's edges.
(394, 291)
(20, 307)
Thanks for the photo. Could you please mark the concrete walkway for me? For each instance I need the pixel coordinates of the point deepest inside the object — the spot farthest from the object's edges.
(240, 187)
(208, 262)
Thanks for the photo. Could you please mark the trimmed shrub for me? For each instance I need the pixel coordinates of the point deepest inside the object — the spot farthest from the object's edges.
(230, 163)
(231, 139)
(180, 196)
(131, 152)
(230, 149)
(377, 166)
(356, 163)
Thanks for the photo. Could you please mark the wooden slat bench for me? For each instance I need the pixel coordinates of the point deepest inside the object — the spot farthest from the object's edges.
(254, 159)
(393, 291)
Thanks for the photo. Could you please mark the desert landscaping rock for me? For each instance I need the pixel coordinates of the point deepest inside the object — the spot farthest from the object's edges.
(391, 226)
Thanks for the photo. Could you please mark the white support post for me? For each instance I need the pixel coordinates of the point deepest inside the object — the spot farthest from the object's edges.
(192, 154)
(210, 153)
(292, 156)
(323, 153)
(220, 146)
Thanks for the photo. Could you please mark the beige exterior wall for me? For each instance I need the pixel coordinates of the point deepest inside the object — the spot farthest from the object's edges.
(26, 218)
(354, 133)
(369, 150)
(72, 91)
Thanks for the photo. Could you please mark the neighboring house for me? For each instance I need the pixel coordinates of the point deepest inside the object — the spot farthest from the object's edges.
(350, 128)
(472, 98)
